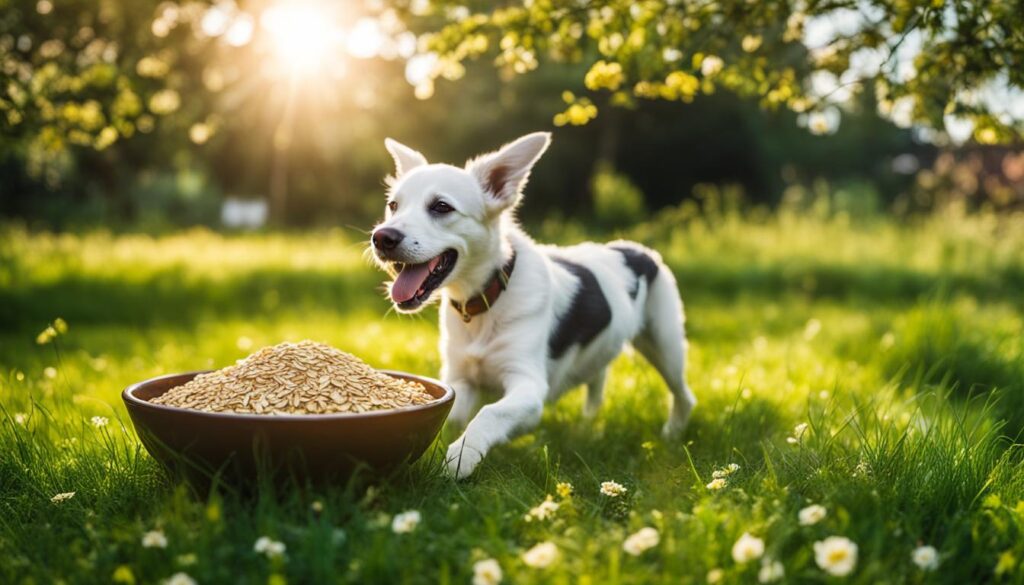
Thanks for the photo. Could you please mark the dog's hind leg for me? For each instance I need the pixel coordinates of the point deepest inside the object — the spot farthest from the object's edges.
(595, 394)
(662, 341)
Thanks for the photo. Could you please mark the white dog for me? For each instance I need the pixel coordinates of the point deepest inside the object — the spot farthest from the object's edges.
(527, 320)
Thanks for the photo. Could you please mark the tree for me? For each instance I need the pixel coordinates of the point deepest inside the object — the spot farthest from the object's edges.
(174, 101)
(944, 64)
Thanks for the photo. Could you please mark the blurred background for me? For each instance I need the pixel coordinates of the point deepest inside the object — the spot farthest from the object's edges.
(837, 186)
(156, 114)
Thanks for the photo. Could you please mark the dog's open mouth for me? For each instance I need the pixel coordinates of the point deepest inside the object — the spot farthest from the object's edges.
(415, 282)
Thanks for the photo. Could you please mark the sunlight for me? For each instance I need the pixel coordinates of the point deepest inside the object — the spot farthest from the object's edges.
(365, 39)
(303, 35)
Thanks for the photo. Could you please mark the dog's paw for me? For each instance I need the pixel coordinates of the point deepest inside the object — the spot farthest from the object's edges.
(673, 429)
(462, 459)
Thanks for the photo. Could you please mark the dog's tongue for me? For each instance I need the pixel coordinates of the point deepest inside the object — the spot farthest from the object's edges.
(410, 279)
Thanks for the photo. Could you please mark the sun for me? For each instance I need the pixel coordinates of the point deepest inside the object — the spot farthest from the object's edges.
(307, 37)
(304, 36)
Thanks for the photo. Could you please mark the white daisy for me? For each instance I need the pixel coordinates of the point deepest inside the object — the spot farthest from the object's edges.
(154, 539)
(812, 515)
(747, 548)
(771, 571)
(836, 555)
(62, 497)
(640, 541)
(487, 572)
(542, 555)
(725, 471)
(798, 434)
(180, 579)
(406, 522)
(612, 489)
(926, 557)
(269, 547)
(543, 511)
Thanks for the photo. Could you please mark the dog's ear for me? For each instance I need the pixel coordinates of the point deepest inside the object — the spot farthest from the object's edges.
(503, 174)
(406, 159)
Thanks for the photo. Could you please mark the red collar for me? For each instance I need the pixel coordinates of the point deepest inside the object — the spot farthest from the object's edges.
(492, 290)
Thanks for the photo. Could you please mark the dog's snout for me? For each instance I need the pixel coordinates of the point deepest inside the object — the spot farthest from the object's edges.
(387, 239)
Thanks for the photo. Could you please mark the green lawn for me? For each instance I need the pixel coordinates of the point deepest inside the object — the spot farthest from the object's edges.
(899, 345)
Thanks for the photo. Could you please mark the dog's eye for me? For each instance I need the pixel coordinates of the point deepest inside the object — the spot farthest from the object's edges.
(441, 207)
(392, 205)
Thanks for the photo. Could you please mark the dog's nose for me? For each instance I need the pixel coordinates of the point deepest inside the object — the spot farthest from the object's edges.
(387, 239)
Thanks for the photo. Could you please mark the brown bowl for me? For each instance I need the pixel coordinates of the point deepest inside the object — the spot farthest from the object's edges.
(203, 445)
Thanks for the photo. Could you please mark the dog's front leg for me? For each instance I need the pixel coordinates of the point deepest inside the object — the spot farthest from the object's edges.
(466, 399)
(518, 410)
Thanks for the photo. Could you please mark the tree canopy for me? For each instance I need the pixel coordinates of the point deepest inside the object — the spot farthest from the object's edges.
(79, 77)
(934, 62)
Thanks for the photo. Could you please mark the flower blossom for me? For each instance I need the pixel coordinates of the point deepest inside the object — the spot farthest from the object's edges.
(812, 514)
(62, 497)
(716, 484)
(926, 557)
(154, 539)
(612, 489)
(405, 522)
(180, 579)
(564, 489)
(543, 511)
(771, 571)
(836, 555)
(542, 555)
(640, 541)
(487, 572)
(269, 547)
(747, 548)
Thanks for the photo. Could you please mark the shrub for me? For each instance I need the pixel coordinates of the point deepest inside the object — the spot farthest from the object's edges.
(617, 201)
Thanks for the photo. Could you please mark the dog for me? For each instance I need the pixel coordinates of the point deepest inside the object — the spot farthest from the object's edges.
(526, 320)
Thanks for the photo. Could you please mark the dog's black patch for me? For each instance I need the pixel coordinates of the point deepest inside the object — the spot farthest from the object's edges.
(588, 314)
(642, 265)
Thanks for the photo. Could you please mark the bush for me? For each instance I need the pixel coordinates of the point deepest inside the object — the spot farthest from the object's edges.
(617, 201)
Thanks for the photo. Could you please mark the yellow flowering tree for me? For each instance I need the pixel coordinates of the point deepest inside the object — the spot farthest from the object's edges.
(70, 80)
(932, 62)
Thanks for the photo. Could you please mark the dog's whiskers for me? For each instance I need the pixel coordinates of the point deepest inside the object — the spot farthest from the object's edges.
(359, 229)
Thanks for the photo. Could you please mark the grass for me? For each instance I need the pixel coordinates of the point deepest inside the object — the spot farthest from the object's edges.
(900, 346)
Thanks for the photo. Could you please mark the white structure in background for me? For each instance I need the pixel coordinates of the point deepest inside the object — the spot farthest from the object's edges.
(906, 164)
(244, 213)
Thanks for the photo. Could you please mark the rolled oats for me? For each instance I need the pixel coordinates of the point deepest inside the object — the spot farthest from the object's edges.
(296, 378)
